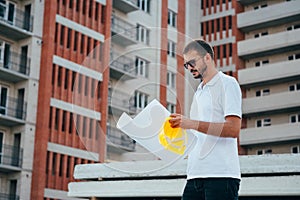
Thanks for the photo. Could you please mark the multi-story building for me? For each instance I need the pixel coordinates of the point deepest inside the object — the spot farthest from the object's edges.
(72, 96)
(218, 27)
(271, 77)
(146, 64)
(20, 49)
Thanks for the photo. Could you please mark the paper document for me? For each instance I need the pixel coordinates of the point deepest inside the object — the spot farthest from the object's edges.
(145, 127)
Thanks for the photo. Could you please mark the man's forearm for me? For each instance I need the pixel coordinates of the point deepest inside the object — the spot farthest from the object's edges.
(226, 129)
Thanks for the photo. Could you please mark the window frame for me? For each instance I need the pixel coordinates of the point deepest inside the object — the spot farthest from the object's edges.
(171, 107)
(141, 67)
(264, 122)
(143, 34)
(144, 5)
(172, 18)
(171, 79)
(171, 50)
(296, 146)
(141, 99)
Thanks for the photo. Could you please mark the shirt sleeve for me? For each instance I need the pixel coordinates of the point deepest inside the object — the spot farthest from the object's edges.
(233, 99)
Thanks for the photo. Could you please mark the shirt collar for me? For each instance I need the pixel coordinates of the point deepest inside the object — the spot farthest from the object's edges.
(212, 81)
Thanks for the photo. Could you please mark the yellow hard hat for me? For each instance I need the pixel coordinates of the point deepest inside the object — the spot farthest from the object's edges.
(173, 139)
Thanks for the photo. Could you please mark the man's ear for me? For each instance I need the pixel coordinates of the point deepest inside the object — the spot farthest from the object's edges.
(207, 58)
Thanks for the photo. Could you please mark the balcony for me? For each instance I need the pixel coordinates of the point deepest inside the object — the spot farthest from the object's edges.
(270, 44)
(14, 23)
(10, 158)
(4, 196)
(125, 6)
(274, 133)
(270, 74)
(119, 102)
(271, 104)
(122, 67)
(13, 113)
(117, 139)
(272, 15)
(15, 68)
(248, 2)
(122, 32)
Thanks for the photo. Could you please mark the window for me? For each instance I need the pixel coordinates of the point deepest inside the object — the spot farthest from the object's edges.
(295, 149)
(263, 92)
(172, 18)
(141, 67)
(143, 34)
(263, 151)
(140, 100)
(144, 5)
(294, 56)
(259, 152)
(263, 122)
(171, 107)
(71, 121)
(54, 155)
(61, 165)
(171, 80)
(7, 11)
(1, 51)
(218, 25)
(294, 87)
(260, 6)
(62, 35)
(294, 118)
(69, 38)
(63, 128)
(224, 23)
(261, 62)
(230, 22)
(171, 48)
(56, 118)
(257, 35)
(224, 51)
(218, 52)
(3, 99)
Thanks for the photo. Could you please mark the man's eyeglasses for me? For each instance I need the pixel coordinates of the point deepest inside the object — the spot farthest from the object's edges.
(191, 63)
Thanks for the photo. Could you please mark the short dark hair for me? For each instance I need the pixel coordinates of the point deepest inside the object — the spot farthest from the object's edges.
(200, 46)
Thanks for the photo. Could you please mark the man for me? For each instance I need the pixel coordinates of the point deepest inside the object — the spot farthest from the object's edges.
(213, 170)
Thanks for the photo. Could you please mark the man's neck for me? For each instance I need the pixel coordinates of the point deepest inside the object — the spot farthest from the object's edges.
(210, 74)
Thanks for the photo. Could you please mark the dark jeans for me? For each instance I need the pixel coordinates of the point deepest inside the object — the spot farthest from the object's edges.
(211, 189)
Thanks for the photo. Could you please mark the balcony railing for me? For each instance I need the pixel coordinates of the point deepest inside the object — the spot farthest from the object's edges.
(266, 74)
(14, 107)
(122, 67)
(268, 16)
(15, 24)
(123, 32)
(282, 42)
(116, 137)
(11, 155)
(125, 6)
(120, 102)
(4, 196)
(270, 104)
(274, 133)
(16, 63)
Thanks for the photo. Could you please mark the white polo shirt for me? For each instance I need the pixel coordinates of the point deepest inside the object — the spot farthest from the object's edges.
(215, 156)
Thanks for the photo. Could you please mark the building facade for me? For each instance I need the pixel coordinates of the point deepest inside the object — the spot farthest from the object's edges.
(70, 68)
(20, 49)
(271, 77)
(72, 95)
(218, 27)
(145, 64)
